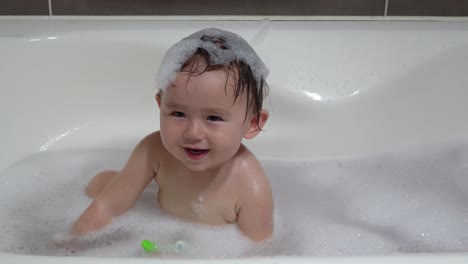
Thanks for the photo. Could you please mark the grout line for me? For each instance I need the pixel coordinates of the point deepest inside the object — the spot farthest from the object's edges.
(386, 8)
(50, 8)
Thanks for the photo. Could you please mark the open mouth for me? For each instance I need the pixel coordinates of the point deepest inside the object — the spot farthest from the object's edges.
(196, 153)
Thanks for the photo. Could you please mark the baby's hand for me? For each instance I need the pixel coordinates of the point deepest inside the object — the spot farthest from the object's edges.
(96, 216)
(65, 241)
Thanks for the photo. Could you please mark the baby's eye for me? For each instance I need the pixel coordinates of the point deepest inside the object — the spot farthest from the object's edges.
(178, 114)
(214, 118)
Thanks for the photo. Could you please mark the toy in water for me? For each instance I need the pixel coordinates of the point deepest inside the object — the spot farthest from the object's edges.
(151, 247)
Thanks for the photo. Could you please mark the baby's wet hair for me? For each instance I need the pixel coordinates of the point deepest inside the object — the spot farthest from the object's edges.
(216, 49)
(245, 80)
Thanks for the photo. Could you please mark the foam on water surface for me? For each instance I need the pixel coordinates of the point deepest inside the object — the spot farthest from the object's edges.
(409, 201)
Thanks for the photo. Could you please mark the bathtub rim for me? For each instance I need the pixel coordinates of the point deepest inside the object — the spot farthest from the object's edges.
(413, 258)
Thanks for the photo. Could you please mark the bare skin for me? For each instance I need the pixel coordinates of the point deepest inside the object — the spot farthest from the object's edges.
(204, 173)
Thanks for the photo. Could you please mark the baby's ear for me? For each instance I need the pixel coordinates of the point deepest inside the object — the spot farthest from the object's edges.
(254, 126)
(158, 99)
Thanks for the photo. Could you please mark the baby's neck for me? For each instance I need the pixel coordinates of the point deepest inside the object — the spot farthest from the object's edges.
(206, 174)
(210, 176)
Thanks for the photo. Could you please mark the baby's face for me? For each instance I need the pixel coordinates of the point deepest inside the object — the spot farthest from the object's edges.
(201, 125)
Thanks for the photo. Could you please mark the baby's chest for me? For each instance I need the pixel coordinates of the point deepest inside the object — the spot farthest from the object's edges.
(193, 201)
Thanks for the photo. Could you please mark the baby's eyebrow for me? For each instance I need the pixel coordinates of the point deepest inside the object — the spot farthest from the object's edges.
(212, 110)
(174, 105)
(218, 111)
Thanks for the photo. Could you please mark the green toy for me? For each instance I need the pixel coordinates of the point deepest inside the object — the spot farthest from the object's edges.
(149, 246)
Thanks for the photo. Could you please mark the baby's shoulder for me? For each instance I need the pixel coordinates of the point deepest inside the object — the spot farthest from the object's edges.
(245, 157)
(253, 184)
(247, 166)
(153, 146)
(153, 139)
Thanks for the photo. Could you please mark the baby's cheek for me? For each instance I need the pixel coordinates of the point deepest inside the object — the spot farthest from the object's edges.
(169, 128)
(230, 142)
(167, 136)
(226, 135)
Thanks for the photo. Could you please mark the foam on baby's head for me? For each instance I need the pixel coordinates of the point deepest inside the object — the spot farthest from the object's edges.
(223, 47)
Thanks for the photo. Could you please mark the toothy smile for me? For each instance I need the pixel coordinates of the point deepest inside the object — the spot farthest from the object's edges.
(196, 153)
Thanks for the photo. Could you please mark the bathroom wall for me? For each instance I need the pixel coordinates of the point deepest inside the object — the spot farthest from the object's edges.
(446, 8)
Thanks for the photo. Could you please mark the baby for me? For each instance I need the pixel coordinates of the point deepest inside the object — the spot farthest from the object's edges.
(212, 85)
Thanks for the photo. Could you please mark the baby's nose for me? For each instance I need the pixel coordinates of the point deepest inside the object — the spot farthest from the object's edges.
(194, 130)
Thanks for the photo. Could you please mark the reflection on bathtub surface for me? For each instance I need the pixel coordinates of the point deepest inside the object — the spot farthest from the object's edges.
(410, 201)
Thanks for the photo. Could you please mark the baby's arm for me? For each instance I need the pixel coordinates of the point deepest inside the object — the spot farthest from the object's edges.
(122, 191)
(255, 207)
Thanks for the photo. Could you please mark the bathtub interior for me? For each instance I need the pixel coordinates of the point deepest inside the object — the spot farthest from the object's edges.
(367, 117)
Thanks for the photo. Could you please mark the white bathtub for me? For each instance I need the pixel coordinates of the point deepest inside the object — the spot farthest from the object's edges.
(338, 89)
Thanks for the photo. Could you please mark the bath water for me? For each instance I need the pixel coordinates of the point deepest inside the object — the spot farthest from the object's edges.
(408, 201)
